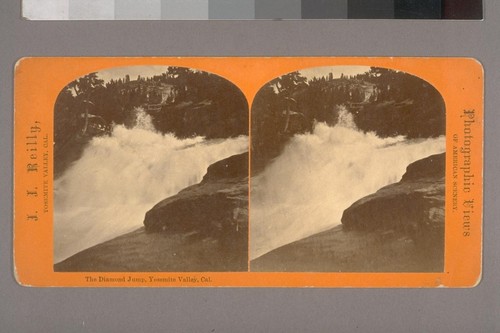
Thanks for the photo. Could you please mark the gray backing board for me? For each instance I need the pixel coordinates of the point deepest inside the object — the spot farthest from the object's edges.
(267, 310)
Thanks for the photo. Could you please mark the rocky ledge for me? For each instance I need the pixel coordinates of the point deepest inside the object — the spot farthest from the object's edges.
(217, 206)
(399, 228)
(413, 207)
(202, 228)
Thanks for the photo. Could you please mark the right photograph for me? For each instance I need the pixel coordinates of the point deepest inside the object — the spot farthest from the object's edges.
(347, 172)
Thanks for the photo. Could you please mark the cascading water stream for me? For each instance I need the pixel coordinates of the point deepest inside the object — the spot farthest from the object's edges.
(107, 192)
(306, 189)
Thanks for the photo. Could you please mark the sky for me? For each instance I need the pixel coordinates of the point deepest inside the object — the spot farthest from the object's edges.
(336, 70)
(120, 72)
(149, 71)
(116, 73)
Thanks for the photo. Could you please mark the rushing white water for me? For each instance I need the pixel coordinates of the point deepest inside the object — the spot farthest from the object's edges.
(120, 177)
(318, 175)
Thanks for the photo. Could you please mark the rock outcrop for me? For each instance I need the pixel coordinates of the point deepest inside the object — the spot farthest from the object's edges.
(218, 203)
(414, 207)
(399, 228)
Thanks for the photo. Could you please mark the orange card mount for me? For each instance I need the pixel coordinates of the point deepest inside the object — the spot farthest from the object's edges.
(248, 172)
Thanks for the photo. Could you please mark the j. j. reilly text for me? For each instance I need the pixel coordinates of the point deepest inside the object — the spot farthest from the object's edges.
(32, 140)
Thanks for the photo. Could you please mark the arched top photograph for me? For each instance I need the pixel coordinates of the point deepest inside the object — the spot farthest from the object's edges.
(343, 155)
(140, 152)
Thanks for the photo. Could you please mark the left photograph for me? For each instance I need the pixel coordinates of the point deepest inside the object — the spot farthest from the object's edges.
(150, 172)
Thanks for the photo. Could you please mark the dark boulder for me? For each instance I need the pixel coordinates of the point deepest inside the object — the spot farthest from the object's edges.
(231, 167)
(413, 207)
(217, 207)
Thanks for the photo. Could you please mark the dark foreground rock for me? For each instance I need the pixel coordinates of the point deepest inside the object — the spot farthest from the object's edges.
(141, 251)
(202, 228)
(399, 228)
(218, 204)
